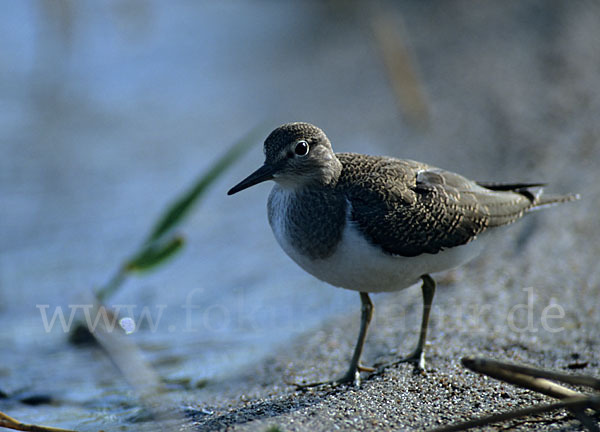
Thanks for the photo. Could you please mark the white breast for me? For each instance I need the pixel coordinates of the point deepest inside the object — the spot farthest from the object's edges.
(358, 265)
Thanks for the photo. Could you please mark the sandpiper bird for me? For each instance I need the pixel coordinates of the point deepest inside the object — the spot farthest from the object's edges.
(373, 224)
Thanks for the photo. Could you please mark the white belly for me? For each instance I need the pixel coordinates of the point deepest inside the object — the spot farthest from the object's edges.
(358, 265)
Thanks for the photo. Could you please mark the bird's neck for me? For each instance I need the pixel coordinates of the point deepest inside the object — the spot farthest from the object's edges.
(332, 171)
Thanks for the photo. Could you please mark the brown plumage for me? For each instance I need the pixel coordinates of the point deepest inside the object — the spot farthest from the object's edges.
(409, 208)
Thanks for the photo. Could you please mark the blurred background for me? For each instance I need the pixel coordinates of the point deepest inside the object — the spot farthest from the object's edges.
(108, 110)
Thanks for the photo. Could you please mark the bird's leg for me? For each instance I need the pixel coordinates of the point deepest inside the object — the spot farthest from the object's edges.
(418, 355)
(365, 319)
(353, 374)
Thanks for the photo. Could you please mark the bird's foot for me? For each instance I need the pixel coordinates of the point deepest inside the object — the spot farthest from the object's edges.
(362, 368)
(350, 377)
(416, 357)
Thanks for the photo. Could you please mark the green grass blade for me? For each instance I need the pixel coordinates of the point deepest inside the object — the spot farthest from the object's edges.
(154, 254)
(181, 206)
(155, 249)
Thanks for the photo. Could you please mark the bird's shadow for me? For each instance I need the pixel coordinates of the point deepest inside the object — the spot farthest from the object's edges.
(257, 410)
(263, 408)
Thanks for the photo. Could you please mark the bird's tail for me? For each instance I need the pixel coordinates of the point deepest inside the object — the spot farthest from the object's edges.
(542, 200)
(533, 192)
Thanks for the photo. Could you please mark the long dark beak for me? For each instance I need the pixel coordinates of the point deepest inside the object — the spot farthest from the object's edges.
(262, 174)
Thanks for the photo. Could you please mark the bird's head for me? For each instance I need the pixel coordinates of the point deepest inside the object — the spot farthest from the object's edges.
(296, 154)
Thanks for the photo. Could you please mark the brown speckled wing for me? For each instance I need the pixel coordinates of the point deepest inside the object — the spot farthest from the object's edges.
(409, 208)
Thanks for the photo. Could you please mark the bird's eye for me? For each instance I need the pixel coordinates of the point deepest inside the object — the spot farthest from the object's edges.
(301, 148)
